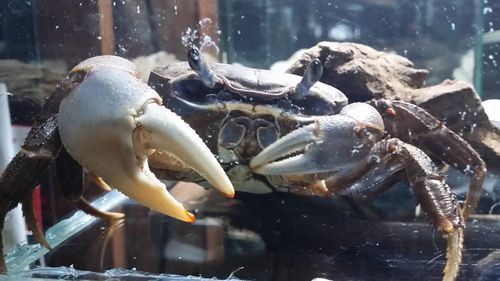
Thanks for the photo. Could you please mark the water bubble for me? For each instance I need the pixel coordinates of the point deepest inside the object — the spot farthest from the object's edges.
(205, 22)
(195, 36)
(487, 10)
(122, 48)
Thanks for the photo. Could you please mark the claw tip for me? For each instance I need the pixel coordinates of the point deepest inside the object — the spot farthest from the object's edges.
(190, 217)
(230, 195)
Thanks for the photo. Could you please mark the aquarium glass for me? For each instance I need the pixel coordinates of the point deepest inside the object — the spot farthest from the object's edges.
(366, 221)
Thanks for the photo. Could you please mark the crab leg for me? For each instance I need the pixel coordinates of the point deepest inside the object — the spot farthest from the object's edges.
(112, 122)
(434, 195)
(69, 179)
(29, 214)
(430, 188)
(349, 146)
(372, 177)
(430, 134)
(40, 147)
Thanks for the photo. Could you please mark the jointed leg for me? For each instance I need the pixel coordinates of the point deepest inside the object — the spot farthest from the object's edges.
(436, 199)
(3, 267)
(24, 170)
(415, 125)
(429, 187)
(29, 215)
(70, 181)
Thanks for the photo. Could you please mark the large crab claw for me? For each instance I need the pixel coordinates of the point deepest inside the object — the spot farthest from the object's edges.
(329, 144)
(111, 122)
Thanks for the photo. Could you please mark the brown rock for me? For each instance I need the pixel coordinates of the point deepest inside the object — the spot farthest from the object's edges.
(364, 73)
(29, 82)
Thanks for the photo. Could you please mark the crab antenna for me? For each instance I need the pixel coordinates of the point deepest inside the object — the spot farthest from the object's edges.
(311, 75)
(200, 66)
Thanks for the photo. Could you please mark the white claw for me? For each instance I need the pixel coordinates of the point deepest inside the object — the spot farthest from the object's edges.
(161, 129)
(111, 122)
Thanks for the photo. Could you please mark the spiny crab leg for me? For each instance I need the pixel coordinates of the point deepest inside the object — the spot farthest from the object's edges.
(431, 134)
(111, 122)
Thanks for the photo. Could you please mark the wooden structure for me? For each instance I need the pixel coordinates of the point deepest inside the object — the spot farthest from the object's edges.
(76, 30)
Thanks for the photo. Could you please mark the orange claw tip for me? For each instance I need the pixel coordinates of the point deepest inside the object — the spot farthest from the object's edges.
(190, 218)
(230, 194)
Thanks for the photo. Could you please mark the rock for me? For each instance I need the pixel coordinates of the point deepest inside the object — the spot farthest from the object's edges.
(361, 72)
(29, 82)
(364, 73)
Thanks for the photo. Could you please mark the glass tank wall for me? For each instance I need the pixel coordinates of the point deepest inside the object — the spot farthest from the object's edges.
(366, 221)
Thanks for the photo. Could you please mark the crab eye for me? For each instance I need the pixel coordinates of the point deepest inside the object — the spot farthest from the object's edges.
(311, 75)
(201, 67)
(194, 58)
(316, 69)
(385, 108)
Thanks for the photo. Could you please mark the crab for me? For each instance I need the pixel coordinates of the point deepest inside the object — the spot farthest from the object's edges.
(269, 132)
(281, 132)
(105, 119)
